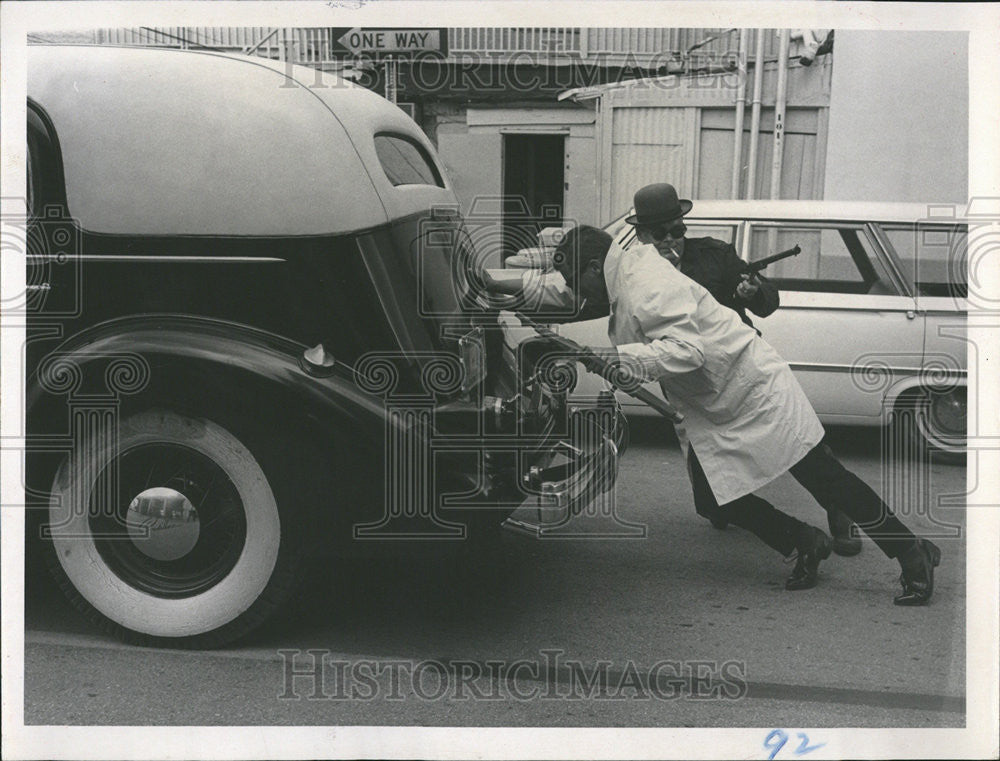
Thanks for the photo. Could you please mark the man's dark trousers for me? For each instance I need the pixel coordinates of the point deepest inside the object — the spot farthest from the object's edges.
(829, 482)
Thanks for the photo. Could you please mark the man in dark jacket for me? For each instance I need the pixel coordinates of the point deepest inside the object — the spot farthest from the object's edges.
(715, 265)
(711, 263)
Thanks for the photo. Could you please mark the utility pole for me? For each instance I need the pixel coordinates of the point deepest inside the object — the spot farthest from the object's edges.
(758, 82)
(777, 153)
(741, 102)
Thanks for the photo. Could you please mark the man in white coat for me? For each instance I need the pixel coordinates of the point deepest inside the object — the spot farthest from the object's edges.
(747, 420)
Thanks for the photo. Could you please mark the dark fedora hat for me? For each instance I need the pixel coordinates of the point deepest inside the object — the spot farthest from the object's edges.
(658, 204)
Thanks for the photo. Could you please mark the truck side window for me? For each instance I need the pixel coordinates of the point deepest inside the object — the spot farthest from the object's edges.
(44, 168)
(35, 195)
(405, 162)
(32, 175)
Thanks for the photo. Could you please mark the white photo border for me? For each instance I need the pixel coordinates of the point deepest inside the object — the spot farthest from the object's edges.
(980, 736)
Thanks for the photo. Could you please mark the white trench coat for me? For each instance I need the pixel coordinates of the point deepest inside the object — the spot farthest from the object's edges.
(745, 414)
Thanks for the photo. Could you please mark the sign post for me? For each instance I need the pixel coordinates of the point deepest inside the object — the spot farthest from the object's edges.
(388, 46)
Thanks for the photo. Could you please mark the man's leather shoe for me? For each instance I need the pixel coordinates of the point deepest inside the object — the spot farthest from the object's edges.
(918, 564)
(844, 541)
(812, 546)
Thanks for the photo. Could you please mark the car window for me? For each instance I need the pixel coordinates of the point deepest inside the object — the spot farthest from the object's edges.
(626, 235)
(934, 257)
(404, 162)
(726, 233)
(835, 259)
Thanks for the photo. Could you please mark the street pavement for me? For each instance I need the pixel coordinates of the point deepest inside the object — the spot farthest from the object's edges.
(734, 648)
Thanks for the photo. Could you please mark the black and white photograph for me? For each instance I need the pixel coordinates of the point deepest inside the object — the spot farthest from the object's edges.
(411, 379)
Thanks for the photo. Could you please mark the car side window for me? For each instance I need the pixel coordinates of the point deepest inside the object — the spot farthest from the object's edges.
(725, 233)
(405, 162)
(834, 259)
(722, 232)
(934, 257)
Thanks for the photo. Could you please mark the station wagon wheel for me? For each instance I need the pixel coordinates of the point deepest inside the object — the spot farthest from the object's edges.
(172, 536)
(941, 421)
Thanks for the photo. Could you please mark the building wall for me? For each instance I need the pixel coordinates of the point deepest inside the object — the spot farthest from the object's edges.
(899, 113)
(472, 160)
(648, 144)
(581, 182)
(470, 144)
(680, 130)
(802, 158)
(681, 133)
(882, 119)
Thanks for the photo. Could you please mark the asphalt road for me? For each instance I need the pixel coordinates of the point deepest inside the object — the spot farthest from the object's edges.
(687, 626)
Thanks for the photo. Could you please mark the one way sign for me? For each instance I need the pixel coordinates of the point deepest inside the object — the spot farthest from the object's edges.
(359, 41)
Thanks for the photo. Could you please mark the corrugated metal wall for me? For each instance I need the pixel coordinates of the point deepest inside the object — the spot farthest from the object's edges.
(310, 45)
(648, 145)
(662, 41)
(313, 44)
(801, 169)
(221, 36)
(684, 134)
(586, 42)
(495, 40)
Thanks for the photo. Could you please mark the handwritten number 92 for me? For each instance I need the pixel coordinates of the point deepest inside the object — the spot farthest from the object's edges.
(776, 740)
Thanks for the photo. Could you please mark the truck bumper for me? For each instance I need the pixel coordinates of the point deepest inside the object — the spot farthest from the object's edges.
(575, 472)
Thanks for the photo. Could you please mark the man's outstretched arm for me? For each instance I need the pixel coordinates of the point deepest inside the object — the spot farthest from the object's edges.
(760, 295)
(674, 344)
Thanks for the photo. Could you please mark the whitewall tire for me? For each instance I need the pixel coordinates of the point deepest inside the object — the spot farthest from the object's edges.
(186, 550)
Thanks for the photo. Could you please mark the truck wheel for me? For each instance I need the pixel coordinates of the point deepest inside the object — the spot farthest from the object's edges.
(940, 422)
(188, 551)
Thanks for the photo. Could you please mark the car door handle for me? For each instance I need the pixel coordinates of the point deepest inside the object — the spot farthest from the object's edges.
(910, 314)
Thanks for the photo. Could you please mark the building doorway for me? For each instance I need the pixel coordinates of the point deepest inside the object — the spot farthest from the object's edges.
(533, 167)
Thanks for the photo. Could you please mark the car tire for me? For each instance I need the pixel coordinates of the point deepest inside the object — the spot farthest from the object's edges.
(199, 557)
(940, 422)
